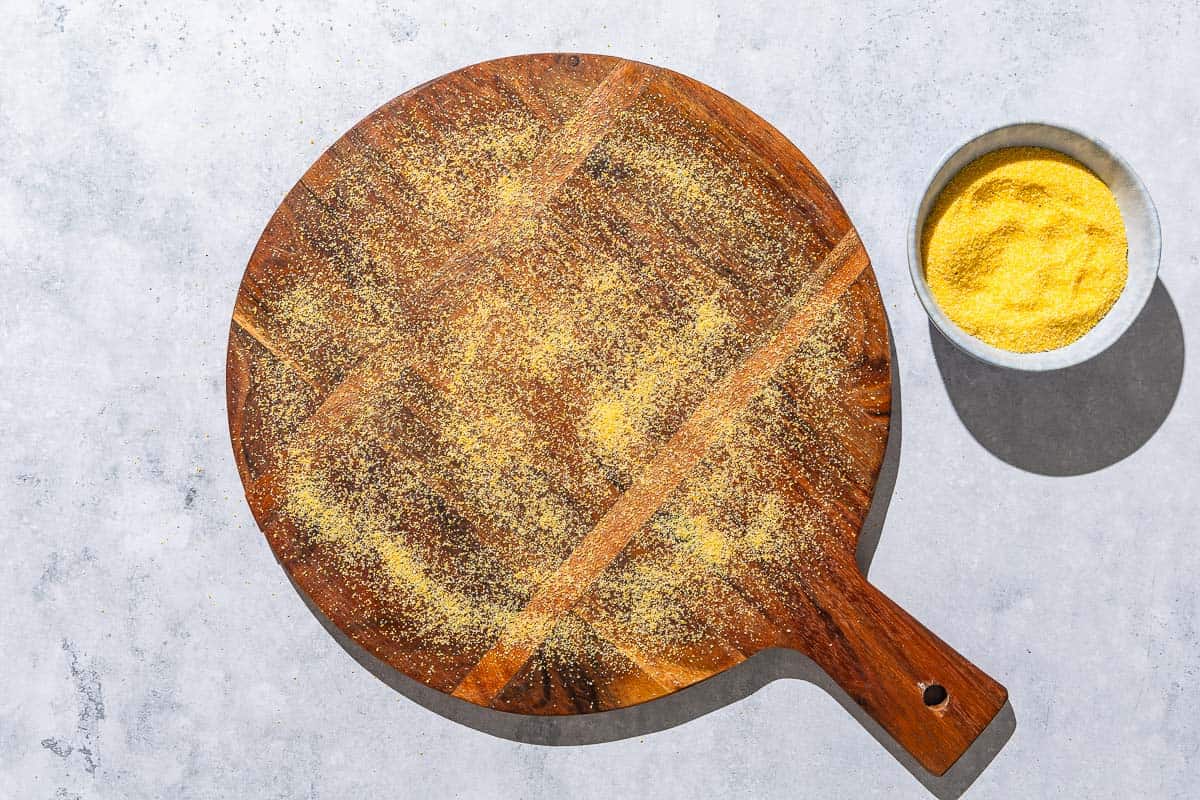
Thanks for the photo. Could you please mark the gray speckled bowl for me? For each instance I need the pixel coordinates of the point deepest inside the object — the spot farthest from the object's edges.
(1141, 228)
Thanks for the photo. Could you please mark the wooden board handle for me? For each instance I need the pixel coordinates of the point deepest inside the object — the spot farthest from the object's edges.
(930, 699)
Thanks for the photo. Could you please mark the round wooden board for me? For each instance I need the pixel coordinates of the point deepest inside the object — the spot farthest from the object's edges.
(562, 382)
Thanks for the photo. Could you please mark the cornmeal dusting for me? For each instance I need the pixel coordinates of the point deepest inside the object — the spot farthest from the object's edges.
(444, 456)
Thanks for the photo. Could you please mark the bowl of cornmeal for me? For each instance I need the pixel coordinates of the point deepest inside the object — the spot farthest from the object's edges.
(1034, 246)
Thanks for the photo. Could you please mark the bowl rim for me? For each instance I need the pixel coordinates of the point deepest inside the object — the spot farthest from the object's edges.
(1082, 349)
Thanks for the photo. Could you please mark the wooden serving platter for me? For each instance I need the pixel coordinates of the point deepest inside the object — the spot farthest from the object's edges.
(562, 382)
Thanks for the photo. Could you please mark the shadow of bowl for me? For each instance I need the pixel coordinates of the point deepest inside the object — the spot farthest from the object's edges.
(1075, 420)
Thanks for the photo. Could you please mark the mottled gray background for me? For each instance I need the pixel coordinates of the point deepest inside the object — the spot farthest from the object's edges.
(151, 646)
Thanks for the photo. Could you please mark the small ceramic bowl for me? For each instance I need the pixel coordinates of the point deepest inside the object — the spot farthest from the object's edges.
(1141, 229)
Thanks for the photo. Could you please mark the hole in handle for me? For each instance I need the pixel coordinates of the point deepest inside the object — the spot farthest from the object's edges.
(935, 694)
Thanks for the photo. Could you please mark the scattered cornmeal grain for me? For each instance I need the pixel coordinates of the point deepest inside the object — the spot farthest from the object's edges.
(1025, 249)
(483, 435)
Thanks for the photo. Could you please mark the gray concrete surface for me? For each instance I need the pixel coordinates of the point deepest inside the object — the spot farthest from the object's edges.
(151, 647)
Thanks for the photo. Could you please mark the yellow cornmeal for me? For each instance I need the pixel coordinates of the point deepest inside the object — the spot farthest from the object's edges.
(440, 498)
(1025, 249)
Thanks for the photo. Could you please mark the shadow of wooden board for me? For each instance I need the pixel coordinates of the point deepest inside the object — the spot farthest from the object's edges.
(562, 383)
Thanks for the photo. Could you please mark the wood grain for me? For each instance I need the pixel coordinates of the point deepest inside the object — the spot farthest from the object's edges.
(562, 383)
(679, 456)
